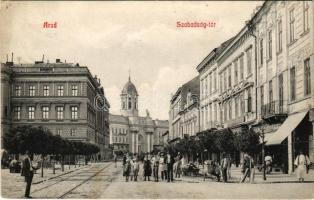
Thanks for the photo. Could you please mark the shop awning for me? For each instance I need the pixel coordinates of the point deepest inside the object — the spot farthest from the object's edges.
(285, 129)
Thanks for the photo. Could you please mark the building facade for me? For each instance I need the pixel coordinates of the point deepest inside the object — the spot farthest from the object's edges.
(184, 110)
(63, 97)
(132, 133)
(262, 78)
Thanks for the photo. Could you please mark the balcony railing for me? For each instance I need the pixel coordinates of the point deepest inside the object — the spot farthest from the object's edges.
(273, 108)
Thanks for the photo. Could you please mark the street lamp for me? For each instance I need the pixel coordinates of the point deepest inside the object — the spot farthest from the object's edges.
(263, 154)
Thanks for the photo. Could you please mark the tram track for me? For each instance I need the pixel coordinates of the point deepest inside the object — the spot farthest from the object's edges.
(68, 178)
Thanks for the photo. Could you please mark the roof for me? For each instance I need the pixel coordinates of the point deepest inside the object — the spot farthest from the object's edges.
(129, 88)
(214, 53)
(192, 86)
(118, 118)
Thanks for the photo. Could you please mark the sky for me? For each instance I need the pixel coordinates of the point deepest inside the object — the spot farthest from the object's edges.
(113, 38)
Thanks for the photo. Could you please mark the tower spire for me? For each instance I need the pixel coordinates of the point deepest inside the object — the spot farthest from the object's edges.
(129, 74)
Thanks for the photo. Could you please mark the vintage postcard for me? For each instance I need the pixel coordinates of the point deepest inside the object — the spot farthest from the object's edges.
(157, 99)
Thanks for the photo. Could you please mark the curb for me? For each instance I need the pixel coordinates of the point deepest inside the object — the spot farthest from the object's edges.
(53, 177)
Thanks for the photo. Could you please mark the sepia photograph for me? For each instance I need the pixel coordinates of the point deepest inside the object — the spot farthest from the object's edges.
(157, 99)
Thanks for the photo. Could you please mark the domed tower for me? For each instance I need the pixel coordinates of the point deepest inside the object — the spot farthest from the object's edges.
(129, 99)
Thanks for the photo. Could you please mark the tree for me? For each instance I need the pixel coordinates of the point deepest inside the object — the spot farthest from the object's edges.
(225, 141)
(247, 142)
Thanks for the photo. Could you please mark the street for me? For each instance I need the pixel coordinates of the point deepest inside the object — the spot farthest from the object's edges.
(103, 180)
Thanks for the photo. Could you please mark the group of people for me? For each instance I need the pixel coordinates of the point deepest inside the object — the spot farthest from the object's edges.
(159, 165)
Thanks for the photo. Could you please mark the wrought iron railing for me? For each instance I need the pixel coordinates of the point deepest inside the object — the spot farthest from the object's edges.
(273, 108)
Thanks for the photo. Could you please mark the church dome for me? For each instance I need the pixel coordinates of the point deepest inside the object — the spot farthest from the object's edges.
(129, 88)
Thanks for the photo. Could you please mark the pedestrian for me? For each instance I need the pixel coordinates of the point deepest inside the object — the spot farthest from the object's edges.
(28, 173)
(224, 167)
(268, 163)
(177, 166)
(302, 162)
(246, 167)
(152, 162)
(156, 167)
(162, 166)
(169, 161)
(115, 160)
(147, 168)
(131, 169)
(127, 168)
(229, 166)
(136, 168)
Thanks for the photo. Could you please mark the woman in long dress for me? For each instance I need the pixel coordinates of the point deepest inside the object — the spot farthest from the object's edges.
(301, 162)
(147, 168)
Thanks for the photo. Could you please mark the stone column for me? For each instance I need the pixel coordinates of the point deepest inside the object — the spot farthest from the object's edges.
(152, 135)
(132, 143)
(290, 154)
(136, 142)
(148, 142)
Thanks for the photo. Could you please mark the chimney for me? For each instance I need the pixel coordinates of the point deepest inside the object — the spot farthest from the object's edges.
(58, 60)
(12, 58)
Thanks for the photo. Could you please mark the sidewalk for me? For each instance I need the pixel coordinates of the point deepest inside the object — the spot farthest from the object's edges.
(12, 184)
(274, 177)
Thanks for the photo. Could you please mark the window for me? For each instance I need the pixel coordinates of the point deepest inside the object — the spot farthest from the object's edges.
(135, 103)
(17, 112)
(31, 90)
(73, 132)
(291, 25)
(292, 84)
(270, 43)
(249, 61)
(305, 16)
(60, 90)
(270, 89)
(261, 51)
(45, 110)
(74, 112)
(225, 111)
(279, 35)
(241, 68)
(235, 72)
(46, 90)
(59, 112)
(249, 100)
(225, 80)
(59, 132)
(230, 110)
(210, 83)
(221, 90)
(242, 104)
(206, 88)
(280, 84)
(229, 76)
(215, 80)
(123, 105)
(262, 95)
(18, 90)
(130, 103)
(74, 90)
(236, 107)
(31, 112)
(307, 77)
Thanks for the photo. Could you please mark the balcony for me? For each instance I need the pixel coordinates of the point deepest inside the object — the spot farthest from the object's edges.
(275, 111)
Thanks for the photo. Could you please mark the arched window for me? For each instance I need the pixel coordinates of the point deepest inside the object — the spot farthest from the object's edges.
(135, 103)
(130, 105)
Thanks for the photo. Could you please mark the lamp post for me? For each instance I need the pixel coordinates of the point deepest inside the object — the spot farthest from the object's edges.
(263, 154)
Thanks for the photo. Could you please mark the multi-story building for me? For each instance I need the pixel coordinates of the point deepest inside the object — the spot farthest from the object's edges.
(184, 110)
(63, 97)
(264, 80)
(130, 132)
(284, 37)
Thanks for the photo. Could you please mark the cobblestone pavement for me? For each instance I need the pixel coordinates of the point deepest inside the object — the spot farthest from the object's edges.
(103, 180)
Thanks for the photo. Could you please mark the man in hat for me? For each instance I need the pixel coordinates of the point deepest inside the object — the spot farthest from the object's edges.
(28, 173)
(169, 161)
